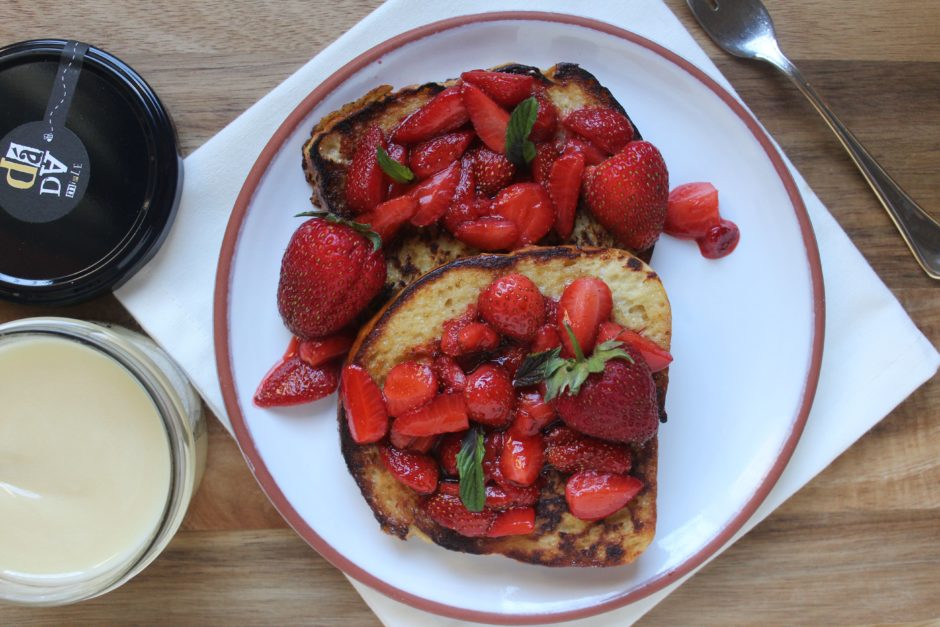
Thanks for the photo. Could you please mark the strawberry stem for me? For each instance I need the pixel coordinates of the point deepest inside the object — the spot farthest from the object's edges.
(578, 353)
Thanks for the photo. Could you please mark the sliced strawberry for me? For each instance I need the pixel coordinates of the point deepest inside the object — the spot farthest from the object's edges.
(444, 113)
(510, 358)
(546, 120)
(477, 337)
(489, 396)
(488, 233)
(436, 154)
(365, 182)
(410, 443)
(585, 303)
(514, 306)
(409, 385)
(657, 358)
(448, 511)
(570, 451)
(445, 414)
(463, 206)
(318, 352)
(720, 240)
(292, 381)
(593, 495)
(488, 118)
(388, 217)
(506, 89)
(564, 188)
(503, 497)
(692, 210)
(492, 451)
(528, 206)
(366, 415)
(545, 155)
(447, 450)
(521, 459)
(434, 195)
(449, 373)
(451, 329)
(415, 470)
(551, 309)
(519, 521)
(400, 154)
(532, 414)
(546, 338)
(493, 171)
(609, 130)
(592, 154)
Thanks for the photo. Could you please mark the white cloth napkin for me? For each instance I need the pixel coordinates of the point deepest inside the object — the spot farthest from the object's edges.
(861, 381)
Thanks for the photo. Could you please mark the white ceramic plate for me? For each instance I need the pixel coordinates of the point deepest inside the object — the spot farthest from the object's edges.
(747, 329)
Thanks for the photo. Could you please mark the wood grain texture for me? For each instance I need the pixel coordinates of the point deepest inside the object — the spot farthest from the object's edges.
(859, 545)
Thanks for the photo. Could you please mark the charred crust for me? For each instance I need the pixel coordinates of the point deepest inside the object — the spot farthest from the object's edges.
(634, 264)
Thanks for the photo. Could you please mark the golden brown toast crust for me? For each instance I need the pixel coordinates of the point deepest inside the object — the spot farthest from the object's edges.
(328, 152)
(416, 316)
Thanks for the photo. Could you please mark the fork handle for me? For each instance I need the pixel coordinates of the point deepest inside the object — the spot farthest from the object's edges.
(920, 231)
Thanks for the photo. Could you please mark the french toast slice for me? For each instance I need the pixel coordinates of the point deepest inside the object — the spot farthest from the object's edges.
(328, 153)
(413, 319)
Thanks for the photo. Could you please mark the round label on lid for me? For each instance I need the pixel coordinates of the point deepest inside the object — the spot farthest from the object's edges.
(46, 172)
(90, 172)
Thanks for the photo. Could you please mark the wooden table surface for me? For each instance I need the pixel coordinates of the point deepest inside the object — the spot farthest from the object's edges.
(860, 544)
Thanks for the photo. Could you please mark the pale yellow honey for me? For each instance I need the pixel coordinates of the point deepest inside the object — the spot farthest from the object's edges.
(84, 461)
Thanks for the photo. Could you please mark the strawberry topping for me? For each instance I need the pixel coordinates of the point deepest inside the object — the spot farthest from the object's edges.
(609, 130)
(585, 303)
(489, 396)
(528, 206)
(593, 495)
(513, 522)
(365, 183)
(409, 385)
(416, 470)
(445, 414)
(366, 415)
(564, 188)
(436, 154)
(506, 89)
(434, 195)
(513, 306)
(444, 113)
(488, 118)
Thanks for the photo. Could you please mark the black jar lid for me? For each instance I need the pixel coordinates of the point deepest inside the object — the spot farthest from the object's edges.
(90, 172)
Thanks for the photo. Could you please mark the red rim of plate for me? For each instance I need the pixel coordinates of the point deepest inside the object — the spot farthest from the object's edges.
(223, 356)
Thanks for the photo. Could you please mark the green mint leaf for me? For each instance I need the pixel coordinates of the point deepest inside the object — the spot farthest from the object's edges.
(536, 368)
(359, 227)
(396, 171)
(470, 470)
(519, 149)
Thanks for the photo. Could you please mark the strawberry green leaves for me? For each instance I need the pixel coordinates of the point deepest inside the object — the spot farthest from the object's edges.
(519, 148)
(470, 470)
(566, 376)
(394, 170)
(363, 229)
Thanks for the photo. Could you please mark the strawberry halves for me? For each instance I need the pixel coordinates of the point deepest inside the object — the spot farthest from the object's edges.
(366, 415)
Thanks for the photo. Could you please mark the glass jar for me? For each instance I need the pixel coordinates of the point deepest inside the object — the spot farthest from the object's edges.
(180, 418)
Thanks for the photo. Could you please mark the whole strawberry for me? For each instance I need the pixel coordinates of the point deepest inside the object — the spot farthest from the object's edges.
(329, 274)
(609, 395)
(628, 194)
(617, 404)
